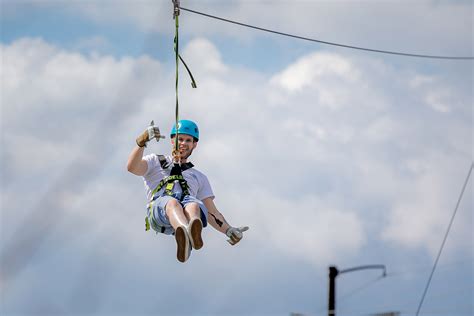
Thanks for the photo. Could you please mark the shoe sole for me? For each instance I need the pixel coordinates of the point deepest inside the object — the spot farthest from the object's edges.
(195, 232)
(182, 243)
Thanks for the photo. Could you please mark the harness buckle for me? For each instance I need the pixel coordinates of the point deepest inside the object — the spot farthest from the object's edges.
(169, 187)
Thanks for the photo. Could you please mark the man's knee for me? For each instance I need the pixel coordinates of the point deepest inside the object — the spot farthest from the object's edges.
(173, 204)
(192, 206)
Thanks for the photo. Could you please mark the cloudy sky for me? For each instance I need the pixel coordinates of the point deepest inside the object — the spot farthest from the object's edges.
(332, 156)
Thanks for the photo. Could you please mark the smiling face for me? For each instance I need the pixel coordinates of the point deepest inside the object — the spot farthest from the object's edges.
(186, 145)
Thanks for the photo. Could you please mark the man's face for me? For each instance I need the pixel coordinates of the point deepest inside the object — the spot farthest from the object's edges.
(186, 145)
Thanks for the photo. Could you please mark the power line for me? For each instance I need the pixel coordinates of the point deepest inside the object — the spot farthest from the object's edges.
(329, 43)
(360, 288)
(444, 240)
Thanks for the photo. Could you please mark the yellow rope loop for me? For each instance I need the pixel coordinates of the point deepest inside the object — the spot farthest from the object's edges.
(176, 156)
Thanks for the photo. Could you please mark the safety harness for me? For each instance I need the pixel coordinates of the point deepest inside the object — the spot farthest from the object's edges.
(175, 177)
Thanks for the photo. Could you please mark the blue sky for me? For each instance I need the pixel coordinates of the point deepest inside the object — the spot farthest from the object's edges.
(332, 156)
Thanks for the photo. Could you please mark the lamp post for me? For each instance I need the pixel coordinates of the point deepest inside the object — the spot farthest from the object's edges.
(334, 272)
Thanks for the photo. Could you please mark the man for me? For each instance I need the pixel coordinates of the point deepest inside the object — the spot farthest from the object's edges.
(180, 197)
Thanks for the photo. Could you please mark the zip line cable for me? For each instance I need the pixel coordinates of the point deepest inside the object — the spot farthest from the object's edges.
(445, 238)
(329, 43)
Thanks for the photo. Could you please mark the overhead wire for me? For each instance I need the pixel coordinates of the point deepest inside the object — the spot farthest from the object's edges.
(352, 312)
(444, 240)
(354, 291)
(358, 289)
(326, 42)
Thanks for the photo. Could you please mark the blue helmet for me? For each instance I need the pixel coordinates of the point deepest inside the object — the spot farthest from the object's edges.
(186, 127)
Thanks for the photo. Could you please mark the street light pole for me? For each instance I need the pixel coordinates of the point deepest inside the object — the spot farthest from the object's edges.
(334, 272)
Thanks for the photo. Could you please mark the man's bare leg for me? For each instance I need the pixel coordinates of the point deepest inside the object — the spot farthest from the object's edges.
(178, 220)
(193, 214)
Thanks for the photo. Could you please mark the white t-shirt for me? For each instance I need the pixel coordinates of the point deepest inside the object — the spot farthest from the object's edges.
(198, 184)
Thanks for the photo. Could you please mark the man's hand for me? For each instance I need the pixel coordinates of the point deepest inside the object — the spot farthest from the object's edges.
(150, 133)
(235, 234)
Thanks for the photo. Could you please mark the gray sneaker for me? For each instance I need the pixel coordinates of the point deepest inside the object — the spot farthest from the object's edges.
(183, 244)
(194, 230)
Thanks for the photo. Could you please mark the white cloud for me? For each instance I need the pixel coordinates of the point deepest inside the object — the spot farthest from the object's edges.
(319, 168)
(422, 214)
(314, 70)
(306, 228)
(204, 57)
(95, 43)
(62, 116)
(144, 15)
(435, 93)
(68, 86)
(86, 83)
(50, 95)
(363, 144)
